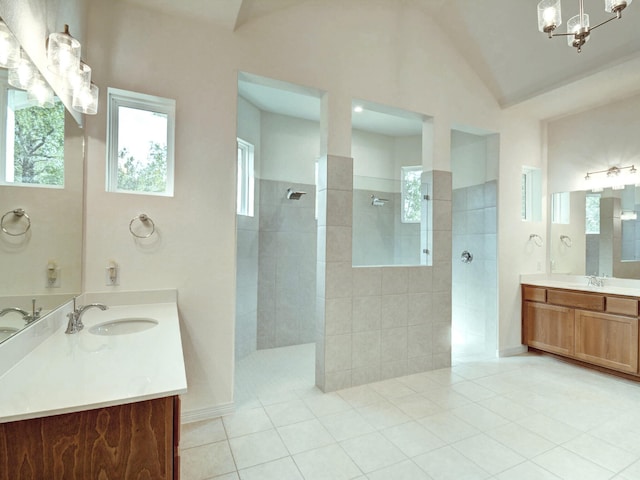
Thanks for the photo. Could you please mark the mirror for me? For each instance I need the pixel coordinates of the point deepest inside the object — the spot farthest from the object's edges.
(41, 197)
(596, 233)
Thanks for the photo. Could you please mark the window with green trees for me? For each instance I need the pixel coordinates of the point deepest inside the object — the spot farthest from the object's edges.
(411, 194)
(33, 141)
(140, 143)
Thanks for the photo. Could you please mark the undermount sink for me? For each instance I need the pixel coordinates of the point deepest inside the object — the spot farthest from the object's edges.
(6, 332)
(123, 326)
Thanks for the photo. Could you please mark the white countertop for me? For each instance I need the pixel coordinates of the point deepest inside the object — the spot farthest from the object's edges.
(613, 286)
(82, 371)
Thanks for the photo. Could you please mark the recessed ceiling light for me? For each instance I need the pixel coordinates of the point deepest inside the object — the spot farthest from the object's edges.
(358, 109)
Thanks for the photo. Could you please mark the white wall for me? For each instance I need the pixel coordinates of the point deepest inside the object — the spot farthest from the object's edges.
(381, 51)
(594, 140)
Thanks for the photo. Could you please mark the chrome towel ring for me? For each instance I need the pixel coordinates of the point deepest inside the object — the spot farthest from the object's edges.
(537, 239)
(20, 213)
(566, 239)
(144, 219)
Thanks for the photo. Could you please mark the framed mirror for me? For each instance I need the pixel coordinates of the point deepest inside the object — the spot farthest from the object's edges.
(41, 206)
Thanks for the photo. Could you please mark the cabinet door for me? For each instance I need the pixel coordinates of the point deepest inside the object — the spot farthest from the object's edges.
(607, 340)
(549, 328)
(125, 442)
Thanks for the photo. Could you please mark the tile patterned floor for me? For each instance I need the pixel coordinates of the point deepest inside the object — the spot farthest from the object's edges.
(517, 418)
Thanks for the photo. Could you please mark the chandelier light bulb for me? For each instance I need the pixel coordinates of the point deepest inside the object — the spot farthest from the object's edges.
(9, 47)
(549, 16)
(616, 6)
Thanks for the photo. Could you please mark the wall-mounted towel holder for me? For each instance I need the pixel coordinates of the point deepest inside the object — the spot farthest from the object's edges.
(20, 214)
(537, 239)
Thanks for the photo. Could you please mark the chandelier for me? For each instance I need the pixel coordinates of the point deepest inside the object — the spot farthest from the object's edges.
(578, 28)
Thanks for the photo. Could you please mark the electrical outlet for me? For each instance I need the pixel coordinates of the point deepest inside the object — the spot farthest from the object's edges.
(112, 275)
(53, 278)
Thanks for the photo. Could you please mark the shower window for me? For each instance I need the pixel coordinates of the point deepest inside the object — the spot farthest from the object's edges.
(244, 201)
(140, 138)
(411, 196)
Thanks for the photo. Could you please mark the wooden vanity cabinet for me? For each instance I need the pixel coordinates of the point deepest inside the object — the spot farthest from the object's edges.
(135, 441)
(607, 340)
(549, 327)
(596, 328)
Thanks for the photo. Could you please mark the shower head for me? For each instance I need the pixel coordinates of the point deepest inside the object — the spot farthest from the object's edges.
(293, 195)
(377, 201)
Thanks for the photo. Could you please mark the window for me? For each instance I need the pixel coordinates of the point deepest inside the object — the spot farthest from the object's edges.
(140, 143)
(560, 207)
(244, 203)
(33, 145)
(531, 195)
(411, 196)
(592, 214)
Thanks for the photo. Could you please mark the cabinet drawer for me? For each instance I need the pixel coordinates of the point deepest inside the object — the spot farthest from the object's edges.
(587, 301)
(534, 294)
(622, 306)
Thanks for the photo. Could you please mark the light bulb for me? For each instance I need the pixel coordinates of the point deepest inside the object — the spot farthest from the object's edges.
(549, 15)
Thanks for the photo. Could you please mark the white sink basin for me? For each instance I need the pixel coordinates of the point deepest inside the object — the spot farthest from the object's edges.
(6, 332)
(123, 326)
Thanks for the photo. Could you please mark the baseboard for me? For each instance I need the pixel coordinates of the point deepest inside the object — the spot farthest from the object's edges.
(207, 413)
(510, 352)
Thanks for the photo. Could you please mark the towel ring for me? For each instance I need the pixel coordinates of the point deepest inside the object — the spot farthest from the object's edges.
(566, 239)
(144, 218)
(18, 212)
(537, 239)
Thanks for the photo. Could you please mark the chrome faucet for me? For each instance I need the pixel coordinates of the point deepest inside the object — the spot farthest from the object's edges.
(75, 317)
(24, 313)
(594, 281)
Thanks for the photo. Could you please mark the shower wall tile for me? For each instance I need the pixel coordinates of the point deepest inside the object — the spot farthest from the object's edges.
(367, 281)
(441, 337)
(475, 197)
(420, 364)
(338, 244)
(393, 369)
(365, 349)
(491, 194)
(388, 312)
(339, 173)
(367, 374)
(420, 340)
(442, 246)
(394, 310)
(338, 316)
(420, 279)
(338, 279)
(419, 308)
(395, 280)
(459, 200)
(338, 353)
(442, 277)
(442, 185)
(339, 208)
(287, 265)
(442, 215)
(366, 313)
(337, 380)
(393, 345)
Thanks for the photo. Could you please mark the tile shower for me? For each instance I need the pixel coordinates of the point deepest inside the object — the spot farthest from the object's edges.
(276, 278)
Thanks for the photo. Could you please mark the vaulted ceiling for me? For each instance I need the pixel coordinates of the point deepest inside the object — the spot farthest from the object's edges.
(500, 40)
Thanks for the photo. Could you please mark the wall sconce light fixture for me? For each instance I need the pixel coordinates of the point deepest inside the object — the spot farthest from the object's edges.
(9, 47)
(614, 177)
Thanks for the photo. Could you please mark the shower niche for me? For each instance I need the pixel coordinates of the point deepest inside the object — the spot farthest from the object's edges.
(390, 191)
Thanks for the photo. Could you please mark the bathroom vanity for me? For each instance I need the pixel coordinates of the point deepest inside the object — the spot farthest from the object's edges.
(594, 325)
(101, 403)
